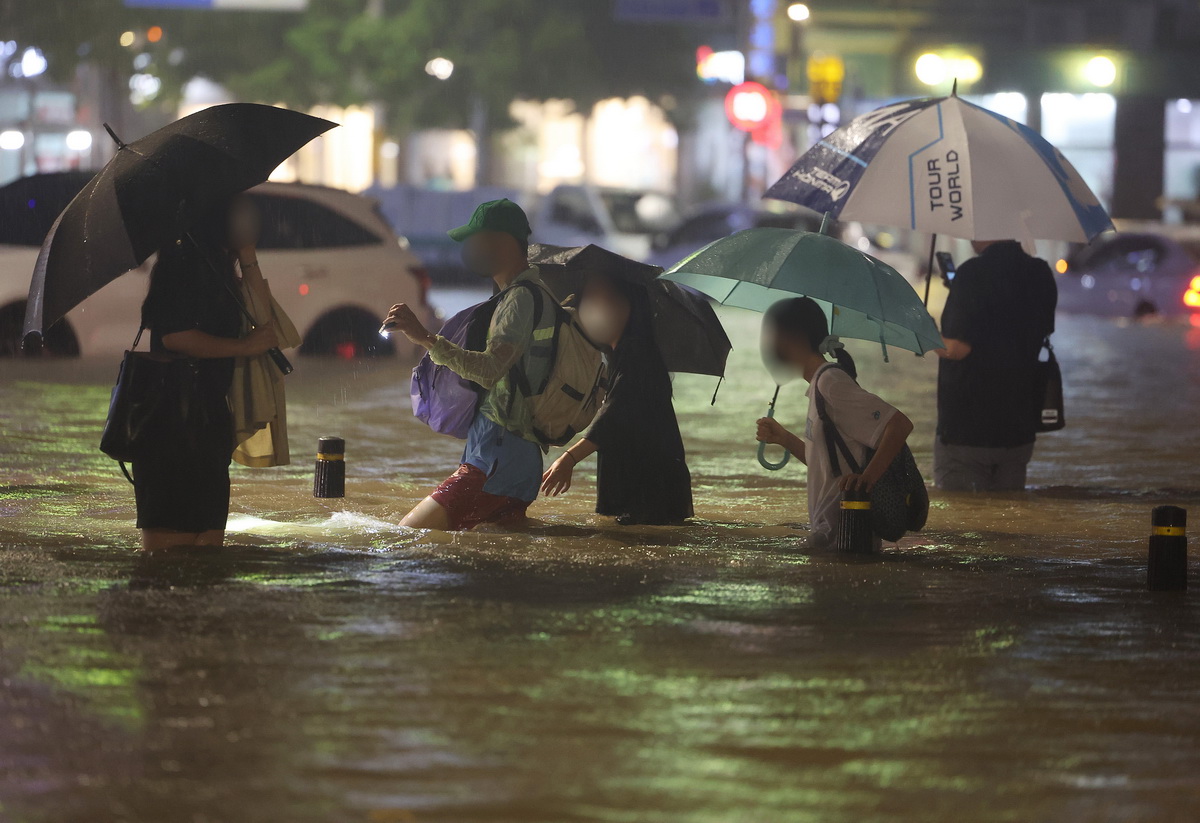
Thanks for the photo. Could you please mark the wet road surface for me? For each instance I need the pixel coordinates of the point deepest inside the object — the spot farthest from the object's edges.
(1006, 665)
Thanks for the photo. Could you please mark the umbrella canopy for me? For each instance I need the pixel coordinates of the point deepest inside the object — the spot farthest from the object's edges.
(863, 298)
(686, 329)
(135, 204)
(946, 166)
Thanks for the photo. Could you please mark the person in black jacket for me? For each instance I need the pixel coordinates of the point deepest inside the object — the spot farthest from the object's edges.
(641, 475)
(1000, 309)
(182, 485)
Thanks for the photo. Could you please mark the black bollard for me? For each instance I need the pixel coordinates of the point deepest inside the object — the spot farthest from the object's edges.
(329, 479)
(855, 535)
(1168, 550)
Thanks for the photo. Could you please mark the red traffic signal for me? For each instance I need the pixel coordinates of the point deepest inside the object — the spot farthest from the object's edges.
(750, 105)
(753, 108)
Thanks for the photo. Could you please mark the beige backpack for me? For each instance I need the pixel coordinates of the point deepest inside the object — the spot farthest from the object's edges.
(566, 401)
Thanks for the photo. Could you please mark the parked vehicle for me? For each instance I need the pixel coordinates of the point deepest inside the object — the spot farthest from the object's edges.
(332, 261)
(621, 220)
(422, 216)
(1149, 269)
(713, 221)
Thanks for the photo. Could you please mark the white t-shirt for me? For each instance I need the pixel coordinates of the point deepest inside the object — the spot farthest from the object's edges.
(860, 417)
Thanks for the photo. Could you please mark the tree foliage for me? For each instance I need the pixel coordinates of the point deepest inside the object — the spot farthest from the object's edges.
(340, 52)
(501, 50)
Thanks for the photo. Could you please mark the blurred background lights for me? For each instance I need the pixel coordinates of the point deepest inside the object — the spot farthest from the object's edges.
(79, 140)
(440, 67)
(931, 69)
(127, 39)
(1100, 71)
(750, 106)
(33, 62)
(143, 88)
(798, 12)
(934, 69)
(11, 140)
(967, 69)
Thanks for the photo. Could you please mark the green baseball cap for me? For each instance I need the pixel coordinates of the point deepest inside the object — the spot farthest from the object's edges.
(495, 215)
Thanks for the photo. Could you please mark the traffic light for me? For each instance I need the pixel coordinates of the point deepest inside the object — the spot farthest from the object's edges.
(753, 108)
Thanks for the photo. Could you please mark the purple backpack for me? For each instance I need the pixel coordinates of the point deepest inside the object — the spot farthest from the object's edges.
(440, 398)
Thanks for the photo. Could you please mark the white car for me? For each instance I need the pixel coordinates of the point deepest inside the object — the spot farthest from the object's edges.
(333, 262)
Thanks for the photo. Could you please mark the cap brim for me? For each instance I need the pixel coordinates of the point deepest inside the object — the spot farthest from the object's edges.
(461, 233)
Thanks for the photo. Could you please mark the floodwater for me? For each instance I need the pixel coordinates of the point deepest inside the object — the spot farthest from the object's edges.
(1006, 665)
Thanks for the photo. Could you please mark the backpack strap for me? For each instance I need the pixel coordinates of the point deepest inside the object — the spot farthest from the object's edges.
(520, 380)
(834, 441)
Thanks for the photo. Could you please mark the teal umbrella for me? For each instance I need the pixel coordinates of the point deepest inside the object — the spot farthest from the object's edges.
(863, 298)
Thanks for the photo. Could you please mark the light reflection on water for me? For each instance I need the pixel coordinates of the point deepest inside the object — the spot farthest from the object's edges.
(1006, 665)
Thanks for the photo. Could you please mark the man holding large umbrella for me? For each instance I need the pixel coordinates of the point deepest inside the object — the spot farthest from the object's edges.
(999, 312)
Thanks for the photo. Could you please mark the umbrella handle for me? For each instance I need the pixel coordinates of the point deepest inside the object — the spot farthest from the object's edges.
(281, 362)
(762, 447)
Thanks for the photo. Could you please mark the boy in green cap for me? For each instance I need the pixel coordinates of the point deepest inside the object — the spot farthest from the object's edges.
(502, 464)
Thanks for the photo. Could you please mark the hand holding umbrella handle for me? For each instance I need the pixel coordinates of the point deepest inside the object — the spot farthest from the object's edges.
(762, 446)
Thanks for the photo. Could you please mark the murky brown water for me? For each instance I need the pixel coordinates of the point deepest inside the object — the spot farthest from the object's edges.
(1005, 666)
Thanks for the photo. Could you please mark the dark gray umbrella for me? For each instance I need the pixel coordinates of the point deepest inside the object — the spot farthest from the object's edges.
(135, 204)
(686, 328)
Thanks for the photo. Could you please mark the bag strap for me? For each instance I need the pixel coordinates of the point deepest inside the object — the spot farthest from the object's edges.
(517, 374)
(237, 298)
(834, 441)
(138, 337)
(125, 472)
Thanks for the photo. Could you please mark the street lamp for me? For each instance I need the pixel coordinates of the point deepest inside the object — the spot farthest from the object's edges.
(799, 14)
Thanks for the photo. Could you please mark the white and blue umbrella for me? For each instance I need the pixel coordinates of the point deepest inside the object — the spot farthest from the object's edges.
(946, 166)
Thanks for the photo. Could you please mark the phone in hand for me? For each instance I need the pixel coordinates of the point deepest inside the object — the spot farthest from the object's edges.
(946, 264)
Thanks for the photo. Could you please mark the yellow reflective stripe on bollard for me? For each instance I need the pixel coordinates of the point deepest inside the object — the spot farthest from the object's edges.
(321, 456)
(852, 504)
(1168, 531)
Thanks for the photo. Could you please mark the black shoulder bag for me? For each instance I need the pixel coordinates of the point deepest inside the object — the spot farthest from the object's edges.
(899, 501)
(155, 396)
(1048, 392)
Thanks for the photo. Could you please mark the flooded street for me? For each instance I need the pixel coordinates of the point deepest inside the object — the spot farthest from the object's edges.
(1005, 665)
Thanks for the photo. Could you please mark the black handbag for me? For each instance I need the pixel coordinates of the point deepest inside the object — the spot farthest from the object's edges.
(900, 500)
(1049, 392)
(155, 396)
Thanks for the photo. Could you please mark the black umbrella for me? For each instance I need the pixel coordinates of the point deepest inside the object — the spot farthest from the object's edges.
(686, 328)
(135, 204)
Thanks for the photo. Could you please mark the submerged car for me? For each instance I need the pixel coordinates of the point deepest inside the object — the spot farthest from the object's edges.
(333, 262)
(621, 220)
(1134, 273)
(713, 221)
